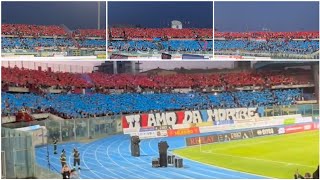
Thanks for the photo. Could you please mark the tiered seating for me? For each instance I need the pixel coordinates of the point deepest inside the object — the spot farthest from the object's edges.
(22, 77)
(171, 45)
(296, 47)
(76, 106)
(185, 33)
(32, 30)
(267, 35)
(21, 36)
(160, 39)
(31, 43)
(92, 43)
(90, 33)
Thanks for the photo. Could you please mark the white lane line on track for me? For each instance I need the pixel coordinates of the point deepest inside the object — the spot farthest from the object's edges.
(150, 140)
(215, 171)
(172, 173)
(84, 162)
(108, 146)
(150, 172)
(96, 158)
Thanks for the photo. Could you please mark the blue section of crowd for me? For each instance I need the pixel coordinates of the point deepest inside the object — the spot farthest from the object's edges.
(295, 47)
(75, 105)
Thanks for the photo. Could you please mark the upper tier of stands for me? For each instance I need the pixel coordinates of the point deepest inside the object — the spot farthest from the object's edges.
(23, 77)
(267, 35)
(150, 33)
(23, 30)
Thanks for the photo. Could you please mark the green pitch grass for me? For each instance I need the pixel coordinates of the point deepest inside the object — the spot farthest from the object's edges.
(277, 156)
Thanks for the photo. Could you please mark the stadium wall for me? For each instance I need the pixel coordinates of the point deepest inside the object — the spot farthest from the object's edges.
(250, 133)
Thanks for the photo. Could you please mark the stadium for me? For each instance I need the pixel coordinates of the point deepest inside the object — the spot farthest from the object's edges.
(266, 30)
(148, 120)
(139, 38)
(42, 37)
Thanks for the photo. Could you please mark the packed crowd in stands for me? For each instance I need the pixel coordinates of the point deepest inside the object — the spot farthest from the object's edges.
(276, 46)
(142, 93)
(171, 45)
(266, 35)
(32, 30)
(22, 30)
(28, 77)
(22, 36)
(32, 43)
(90, 33)
(83, 106)
(150, 33)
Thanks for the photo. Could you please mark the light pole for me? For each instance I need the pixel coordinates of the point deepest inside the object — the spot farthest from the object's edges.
(98, 14)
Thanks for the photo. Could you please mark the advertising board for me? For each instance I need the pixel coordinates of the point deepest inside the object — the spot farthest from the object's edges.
(182, 132)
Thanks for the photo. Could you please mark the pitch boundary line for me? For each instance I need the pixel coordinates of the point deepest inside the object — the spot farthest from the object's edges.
(258, 159)
(225, 168)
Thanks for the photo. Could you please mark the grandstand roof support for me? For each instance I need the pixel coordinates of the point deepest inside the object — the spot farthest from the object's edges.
(98, 14)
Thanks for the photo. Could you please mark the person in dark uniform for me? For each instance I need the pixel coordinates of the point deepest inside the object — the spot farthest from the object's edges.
(76, 158)
(66, 172)
(315, 174)
(63, 158)
(55, 141)
(297, 175)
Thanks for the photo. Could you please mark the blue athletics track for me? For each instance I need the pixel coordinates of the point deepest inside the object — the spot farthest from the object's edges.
(110, 158)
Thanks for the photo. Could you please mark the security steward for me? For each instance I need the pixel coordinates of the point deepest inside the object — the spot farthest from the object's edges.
(55, 141)
(63, 158)
(76, 158)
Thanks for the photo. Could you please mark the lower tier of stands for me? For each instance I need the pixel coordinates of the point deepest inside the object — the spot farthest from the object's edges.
(171, 45)
(76, 106)
(297, 47)
(31, 43)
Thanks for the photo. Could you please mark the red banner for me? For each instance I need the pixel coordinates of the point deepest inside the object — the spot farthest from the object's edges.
(300, 128)
(183, 132)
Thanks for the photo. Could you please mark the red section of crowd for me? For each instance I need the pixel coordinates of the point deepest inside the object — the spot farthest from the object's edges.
(267, 35)
(91, 33)
(23, 77)
(32, 30)
(186, 33)
(39, 30)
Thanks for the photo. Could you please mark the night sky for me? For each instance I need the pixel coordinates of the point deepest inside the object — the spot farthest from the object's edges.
(74, 15)
(160, 14)
(276, 16)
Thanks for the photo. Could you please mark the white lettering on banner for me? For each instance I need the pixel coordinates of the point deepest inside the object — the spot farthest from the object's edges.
(161, 119)
(133, 121)
(222, 114)
(196, 117)
(152, 120)
(192, 117)
(171, 118)
(211, 115)
(232, 114)
(189, 117)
